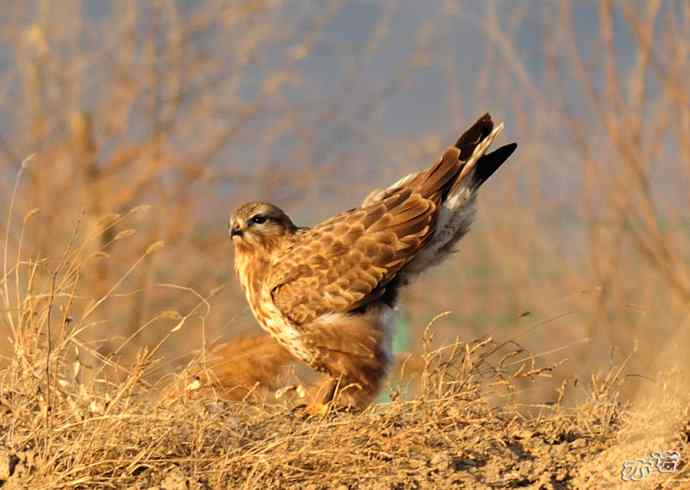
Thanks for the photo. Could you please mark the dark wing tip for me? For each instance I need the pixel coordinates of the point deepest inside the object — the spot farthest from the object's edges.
(475, 134)
(489, 163)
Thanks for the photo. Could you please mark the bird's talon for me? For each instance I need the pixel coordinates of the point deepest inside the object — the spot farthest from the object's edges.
(299, 389)
(311, 410)
(318, 409)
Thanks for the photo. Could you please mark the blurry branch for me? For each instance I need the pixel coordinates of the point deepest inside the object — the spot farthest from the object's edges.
(625, 132)
(495, 33)
(140, 104)
(635, 134)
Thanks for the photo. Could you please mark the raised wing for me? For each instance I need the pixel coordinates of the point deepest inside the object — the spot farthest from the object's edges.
(347, 261)
(466, 145)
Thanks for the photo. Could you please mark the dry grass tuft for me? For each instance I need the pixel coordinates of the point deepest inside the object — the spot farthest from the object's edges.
(462, 426)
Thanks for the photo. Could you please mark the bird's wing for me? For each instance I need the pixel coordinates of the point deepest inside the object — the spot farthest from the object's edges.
(347, 261)
(465, 144)
(457, 206)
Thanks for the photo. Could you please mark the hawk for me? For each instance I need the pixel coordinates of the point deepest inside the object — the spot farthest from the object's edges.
(327, 293)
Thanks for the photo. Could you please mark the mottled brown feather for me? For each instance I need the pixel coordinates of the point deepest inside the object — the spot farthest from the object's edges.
(359, 252)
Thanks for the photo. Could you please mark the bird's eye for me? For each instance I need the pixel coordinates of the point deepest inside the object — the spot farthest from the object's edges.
(258, 219)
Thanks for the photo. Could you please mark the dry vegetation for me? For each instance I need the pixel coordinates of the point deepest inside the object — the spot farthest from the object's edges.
(127, 132)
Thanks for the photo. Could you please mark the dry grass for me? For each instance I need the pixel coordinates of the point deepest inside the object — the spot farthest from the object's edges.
(66, 424)
(464, 427)
(146, 123)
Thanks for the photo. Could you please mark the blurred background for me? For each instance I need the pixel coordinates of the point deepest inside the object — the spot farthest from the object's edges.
(150, 121)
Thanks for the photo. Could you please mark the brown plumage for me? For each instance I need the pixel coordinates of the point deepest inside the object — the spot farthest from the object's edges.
(326, 293)
(244, 367)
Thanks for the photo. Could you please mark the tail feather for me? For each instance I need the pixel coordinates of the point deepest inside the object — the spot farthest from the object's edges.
(488, 164)
(467, 177)
(458, 205)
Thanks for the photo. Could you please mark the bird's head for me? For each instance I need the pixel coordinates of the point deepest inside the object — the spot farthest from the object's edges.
(258, 225)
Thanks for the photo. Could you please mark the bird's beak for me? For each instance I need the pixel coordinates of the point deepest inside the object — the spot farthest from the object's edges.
(235, 231)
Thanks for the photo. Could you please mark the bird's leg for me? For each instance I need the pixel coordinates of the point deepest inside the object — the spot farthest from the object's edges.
(332, 387)
(323, 398)
(352, 351)
(339, 393)
(298, 389)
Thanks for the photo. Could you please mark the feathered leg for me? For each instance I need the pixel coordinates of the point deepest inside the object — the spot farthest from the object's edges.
(354, 351)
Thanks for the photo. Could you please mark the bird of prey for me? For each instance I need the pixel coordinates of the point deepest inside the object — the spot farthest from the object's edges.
(326, 293)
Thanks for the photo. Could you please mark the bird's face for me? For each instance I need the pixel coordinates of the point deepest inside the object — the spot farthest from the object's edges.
(258, 225)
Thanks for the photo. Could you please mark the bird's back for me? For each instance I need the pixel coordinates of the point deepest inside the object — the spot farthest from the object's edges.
(364, 254)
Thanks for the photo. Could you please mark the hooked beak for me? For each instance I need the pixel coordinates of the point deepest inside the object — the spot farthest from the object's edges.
(235, 231)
